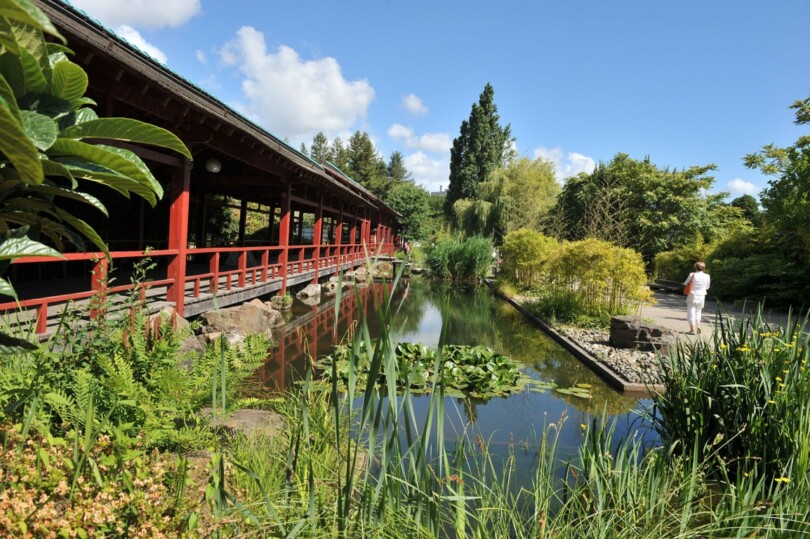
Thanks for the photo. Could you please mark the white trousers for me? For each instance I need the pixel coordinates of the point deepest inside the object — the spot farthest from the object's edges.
(694, 308)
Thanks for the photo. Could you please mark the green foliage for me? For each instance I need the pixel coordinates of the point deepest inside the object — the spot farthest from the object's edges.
(526, 254)
(786, 201)
(742, 398)
(45, 129)
(413, 203)
(635, 204)
(459, 261)
(676, 265)
(482, 146)
(465, 371)
(769, 277)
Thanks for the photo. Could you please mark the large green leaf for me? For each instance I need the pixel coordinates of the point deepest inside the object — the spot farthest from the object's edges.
(7, 95)
(41, 129)
(77, 117)
(100, 175)
(47, 104)
(15, 244)
(7, 40)
(128, 130)
(6, 289)
(18, 148)
(26, 12)
(138, 162)
(35, 80)
(55, 191)
(69, 81)
(55, 48)
(114, 159)
(12, 69)
(86, 230)
(52, 168)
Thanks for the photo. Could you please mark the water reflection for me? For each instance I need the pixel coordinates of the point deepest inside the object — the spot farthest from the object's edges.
(472, 316)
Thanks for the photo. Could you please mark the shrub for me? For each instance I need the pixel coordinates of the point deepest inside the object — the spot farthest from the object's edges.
(526, 254)
(675, 265)
(459, 261)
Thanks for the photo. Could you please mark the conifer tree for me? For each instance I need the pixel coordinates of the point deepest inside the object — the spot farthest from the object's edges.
(319, 150)
(482, 146)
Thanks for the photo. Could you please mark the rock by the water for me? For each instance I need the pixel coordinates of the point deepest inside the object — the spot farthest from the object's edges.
(179, 323)
(275, 317)
(243, 320)
(631, 332)
(249, 421)
(281, 303)
(309, 291)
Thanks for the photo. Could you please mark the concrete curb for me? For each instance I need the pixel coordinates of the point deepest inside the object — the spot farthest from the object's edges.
(603, 371)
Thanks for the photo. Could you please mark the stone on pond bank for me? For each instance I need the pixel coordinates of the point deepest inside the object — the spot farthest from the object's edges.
(632, 332)
(246, 319)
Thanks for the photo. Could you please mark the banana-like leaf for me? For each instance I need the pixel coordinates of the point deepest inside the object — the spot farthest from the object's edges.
(85, 198)
(47, 104)
(116, 160)
(35, 80)
(6, 289)
(76, 117)
(7, 95)
(55, 231)
(26, 12)
(7, 40)
(86, 230)
(128, 130)
(10, 346)
(69, 80)
(18, 148)
(12, 69)
(52, 168)
(122, 184)
(15, 244)
(40, 129)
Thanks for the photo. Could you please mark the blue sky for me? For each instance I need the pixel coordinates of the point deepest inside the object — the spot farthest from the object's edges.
(685, 83)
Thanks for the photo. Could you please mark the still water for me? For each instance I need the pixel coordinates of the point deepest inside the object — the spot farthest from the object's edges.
(469, 316)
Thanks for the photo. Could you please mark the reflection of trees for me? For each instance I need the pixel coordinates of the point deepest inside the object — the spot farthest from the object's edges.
(410, 300)
(529, 345)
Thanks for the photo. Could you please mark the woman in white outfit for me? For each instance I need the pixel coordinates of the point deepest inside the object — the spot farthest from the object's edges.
(697, 297)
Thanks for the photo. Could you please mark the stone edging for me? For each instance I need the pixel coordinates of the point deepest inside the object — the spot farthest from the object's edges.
(602, 370)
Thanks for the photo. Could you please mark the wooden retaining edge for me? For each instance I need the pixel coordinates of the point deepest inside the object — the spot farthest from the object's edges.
(603, 371)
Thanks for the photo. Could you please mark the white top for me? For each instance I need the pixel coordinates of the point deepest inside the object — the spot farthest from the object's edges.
(700, 284)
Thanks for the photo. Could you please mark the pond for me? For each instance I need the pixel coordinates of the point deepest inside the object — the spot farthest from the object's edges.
(472, 316)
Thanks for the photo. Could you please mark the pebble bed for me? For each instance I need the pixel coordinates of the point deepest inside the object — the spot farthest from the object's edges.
(632, 365)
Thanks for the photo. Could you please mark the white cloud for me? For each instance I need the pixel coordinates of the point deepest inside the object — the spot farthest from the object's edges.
(566, 165)
(414, 104)
(432, 173)
(429, 142)
(738, 187)
(140, 13)
(135, 38)
(293, 97)
(201, 57)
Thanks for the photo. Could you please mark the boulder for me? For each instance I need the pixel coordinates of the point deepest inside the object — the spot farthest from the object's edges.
(360, 275)
(309, 291)
(276, 318)
(249, 421)
(179, 323)
(246, 319)
(281, 303)
(632, 332)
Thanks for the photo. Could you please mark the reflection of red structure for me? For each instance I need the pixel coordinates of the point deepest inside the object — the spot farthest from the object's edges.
(237, 165)
(318, 331)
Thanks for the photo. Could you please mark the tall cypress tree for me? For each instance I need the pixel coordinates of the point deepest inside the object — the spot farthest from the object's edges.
(482, 146)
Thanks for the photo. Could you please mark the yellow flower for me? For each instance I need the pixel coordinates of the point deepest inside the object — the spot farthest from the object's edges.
(790, 344)
(778, 379)
(723, 346)
(785, 371)
(583, 426)
(777, 349)
(782, 385)
(771, 401)
(745, 474)
(782, 480)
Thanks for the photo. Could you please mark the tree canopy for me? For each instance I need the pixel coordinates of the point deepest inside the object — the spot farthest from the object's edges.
(482, 146)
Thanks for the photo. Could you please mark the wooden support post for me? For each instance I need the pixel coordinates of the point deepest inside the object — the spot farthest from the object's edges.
(242, 276)
(339, 238)
(202, 231)
(178, 235)
(242, 221)
(271, 224)
(317, 238)
(284, 235)
(213, 267)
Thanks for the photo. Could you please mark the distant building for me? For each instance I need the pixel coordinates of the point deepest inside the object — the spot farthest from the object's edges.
(440, 193)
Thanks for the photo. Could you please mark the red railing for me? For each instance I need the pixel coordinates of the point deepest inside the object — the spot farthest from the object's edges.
(264, 267)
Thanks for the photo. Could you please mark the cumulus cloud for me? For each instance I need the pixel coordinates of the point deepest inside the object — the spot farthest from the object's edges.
(414, 104)
(430, 142)
(739, 187)
(135, 38)
(566, 165)
(293, 97)
(201, 57)
(431, 173)
(140, 13)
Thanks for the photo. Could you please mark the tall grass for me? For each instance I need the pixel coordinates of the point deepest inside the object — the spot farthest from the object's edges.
(460, 261)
